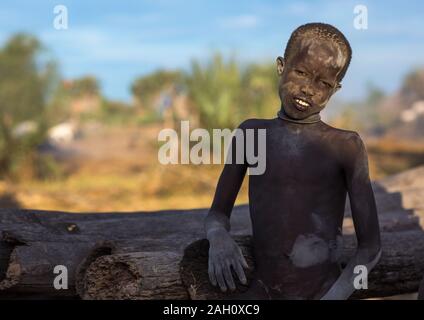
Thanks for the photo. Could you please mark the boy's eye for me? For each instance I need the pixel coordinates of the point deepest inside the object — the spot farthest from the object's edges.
(300, 72)
(327, 84)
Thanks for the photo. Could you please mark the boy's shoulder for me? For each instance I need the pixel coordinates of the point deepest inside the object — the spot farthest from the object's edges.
(347, 138)
(255, 123)
(342, 133)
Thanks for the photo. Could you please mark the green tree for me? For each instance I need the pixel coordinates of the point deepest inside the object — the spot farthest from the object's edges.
(260, 91)
(146, 87)
(215, 90)
(347, 118)
(26, 84)
(413, 86)
(116, 112)
(85, 86)
(369, 113)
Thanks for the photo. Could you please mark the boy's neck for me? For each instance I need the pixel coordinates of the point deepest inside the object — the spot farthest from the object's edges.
(313, 118)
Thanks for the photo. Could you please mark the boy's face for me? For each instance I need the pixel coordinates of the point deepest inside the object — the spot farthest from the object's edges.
(309, 77)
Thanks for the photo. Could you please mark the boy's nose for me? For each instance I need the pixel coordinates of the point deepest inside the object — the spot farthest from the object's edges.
(307, 90)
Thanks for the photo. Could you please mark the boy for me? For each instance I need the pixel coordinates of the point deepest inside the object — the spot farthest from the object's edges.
(297, 205)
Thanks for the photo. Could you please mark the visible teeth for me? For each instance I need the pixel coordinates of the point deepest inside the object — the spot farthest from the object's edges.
(302, 103)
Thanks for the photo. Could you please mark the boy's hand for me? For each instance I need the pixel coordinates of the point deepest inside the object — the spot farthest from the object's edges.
(224, 254)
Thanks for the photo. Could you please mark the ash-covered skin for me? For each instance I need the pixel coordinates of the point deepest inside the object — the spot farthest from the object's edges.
(309, 250)
(297, 205)
(310, 75)
(312, 249)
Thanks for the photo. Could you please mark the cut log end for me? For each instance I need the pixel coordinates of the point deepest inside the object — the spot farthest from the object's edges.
(13, 272)
(110, 277)
(134, 276)
(99, 250)
(10, 266)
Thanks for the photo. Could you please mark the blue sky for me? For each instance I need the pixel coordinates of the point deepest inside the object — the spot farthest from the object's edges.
(120, 40)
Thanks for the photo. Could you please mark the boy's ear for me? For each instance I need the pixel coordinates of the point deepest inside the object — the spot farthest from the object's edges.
(280, 65)
(338, 87)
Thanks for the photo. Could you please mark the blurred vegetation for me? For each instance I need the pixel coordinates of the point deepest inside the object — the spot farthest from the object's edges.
(66, 92)
(85, 86)
(364, 115)
(26, 85)
(115, 113)
(260, 91)
(215, 89)
(412, 88)
(223, 92)
(226, 93)
(145, 88)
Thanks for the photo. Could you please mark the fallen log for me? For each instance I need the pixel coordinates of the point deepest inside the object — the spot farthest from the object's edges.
(392, 221)
(407, 198)
(412, 178)
(39, 226)
(30, 268)
(34, 242)
(400, 270)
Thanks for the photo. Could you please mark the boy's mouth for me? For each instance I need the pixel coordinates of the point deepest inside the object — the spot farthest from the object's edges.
(301, 104)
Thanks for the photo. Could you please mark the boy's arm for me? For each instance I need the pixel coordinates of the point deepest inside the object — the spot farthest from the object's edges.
(224, 253)
(228, 186)
(364, 215)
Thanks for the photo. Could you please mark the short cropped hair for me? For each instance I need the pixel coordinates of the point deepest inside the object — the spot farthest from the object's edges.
(325, 32)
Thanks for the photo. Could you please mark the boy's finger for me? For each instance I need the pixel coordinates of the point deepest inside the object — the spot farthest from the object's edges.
(243, 260)
(220, 278)
(228, 276)
(211, 271)
(240, 272)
